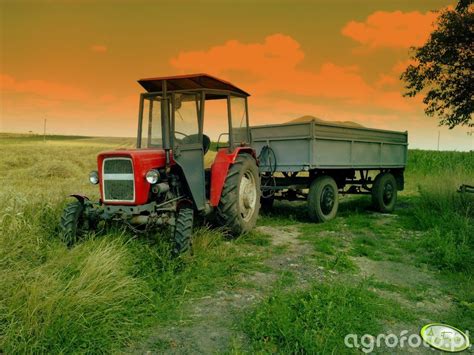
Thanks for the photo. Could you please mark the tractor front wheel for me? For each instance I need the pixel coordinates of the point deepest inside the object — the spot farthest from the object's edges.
(240, 200)
(72, 223)
(183, 230)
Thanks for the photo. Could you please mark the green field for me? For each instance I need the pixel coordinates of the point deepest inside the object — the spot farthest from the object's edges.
(290, 286)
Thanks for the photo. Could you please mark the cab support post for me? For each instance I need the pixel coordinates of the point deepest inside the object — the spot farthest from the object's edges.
(165, 122)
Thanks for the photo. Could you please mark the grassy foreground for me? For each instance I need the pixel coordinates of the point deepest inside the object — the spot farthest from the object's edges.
(107, 292)
(433, 234)
(101, 294)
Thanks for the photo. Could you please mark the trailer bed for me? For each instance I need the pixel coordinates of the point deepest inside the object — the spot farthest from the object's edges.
(305, 146)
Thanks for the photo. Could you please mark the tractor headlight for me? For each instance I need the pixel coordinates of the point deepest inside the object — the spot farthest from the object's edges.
(152, 176)
(94, 177)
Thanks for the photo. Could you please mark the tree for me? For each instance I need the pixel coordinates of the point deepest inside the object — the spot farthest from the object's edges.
(443, 68)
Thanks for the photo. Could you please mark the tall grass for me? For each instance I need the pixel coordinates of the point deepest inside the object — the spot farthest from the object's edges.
(58, 300)
(106, 291)
(437, 208)
(447, 217)
(430, 162)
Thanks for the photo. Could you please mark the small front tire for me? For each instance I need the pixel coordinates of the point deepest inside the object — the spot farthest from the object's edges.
(183, 230)
(72, 223)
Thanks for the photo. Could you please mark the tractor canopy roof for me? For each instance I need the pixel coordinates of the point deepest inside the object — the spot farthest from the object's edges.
(190, 82)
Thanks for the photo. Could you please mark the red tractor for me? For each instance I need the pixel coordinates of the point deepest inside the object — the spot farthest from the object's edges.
(163, 182)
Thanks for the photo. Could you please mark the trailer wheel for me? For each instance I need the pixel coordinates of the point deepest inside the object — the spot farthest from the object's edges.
(240, 200)
(384, 192)
(183, 230)
(266, 203)
(72, 223)
(322, 199)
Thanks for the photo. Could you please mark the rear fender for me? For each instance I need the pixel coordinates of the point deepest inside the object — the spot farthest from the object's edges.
(220, 168)
(399, 178)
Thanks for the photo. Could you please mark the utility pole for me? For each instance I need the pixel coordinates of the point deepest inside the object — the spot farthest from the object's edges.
(439, 133)
(471, 133)
(44, 131)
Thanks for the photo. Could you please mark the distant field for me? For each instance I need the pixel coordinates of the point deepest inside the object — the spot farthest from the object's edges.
(268, 291)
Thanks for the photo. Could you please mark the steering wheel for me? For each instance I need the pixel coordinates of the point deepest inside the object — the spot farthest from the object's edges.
(183, 134)
(206, 141)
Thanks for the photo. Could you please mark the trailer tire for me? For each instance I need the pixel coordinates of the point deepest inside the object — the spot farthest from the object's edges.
(384, 192)
(323, 199)
(183, 230)
(239, 205)
(72, 223)
(266, 203)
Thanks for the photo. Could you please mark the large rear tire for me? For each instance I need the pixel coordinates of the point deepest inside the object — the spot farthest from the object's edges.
(323, 199)
(72, 223)
(183, 230)
(384, 192)
(239, 205)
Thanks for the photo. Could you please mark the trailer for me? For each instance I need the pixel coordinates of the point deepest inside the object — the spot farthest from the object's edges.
(317, 161)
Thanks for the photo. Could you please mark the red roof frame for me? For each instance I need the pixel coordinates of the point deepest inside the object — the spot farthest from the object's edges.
(189, 82)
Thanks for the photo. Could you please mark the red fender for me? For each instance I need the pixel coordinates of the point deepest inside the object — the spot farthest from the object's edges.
(219, 170)
(79, 197)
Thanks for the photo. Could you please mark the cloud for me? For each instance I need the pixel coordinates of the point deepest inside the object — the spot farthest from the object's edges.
(272, 69)
(43, 88)
(391, 29)
(98, 48)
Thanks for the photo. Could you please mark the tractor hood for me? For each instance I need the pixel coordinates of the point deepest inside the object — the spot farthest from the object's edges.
(122, 174)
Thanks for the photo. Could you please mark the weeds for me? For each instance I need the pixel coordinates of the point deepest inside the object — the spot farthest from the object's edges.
(447, 218)
(317, 320)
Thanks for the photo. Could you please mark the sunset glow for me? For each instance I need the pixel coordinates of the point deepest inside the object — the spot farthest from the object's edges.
(76, 63)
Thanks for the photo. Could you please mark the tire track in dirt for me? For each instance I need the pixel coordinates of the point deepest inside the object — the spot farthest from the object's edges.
(209, 326)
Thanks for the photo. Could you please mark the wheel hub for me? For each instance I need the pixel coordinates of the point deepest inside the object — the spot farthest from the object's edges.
(388, 193)
(327, 200)
(248, 195)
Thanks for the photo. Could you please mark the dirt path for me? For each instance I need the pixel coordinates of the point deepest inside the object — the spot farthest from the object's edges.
(208, 323)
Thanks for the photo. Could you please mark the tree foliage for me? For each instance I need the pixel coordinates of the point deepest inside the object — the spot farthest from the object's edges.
(443, 68)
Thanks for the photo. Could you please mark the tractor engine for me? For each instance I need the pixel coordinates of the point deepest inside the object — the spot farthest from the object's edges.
(131, 177)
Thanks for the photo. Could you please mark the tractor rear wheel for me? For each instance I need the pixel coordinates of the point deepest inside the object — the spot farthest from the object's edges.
(72, 223)
(384, 192)
(322, 199)
(240, 200)
(183, 230)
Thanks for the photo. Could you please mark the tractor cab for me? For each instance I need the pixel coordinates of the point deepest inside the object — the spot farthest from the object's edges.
(172, 117)
(163, 182)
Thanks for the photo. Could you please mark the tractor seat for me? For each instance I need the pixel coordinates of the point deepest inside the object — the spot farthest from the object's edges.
(194, 138)
(206, 143)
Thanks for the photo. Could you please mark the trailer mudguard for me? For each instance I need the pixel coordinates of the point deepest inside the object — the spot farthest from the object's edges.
(220, 168)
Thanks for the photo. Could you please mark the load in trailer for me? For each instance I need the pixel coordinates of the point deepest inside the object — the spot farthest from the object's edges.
(316, 161)
(163, 181)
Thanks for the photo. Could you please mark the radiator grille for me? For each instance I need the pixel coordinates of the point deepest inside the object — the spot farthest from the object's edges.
(118, 182)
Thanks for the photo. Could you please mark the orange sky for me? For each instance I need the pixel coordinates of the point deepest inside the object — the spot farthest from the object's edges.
(76, 62)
